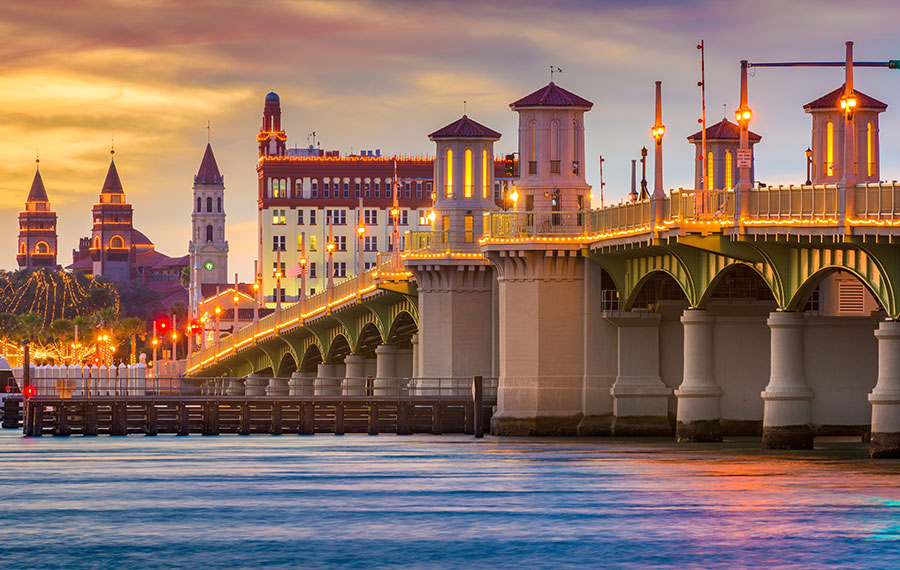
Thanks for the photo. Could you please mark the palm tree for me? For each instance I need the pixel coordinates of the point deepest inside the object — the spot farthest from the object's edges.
(32, 325)
(131, 327)
(63, 330)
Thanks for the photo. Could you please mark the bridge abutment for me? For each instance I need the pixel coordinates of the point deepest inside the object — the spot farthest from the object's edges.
(787, 397)
(699, 394)
(885, 397)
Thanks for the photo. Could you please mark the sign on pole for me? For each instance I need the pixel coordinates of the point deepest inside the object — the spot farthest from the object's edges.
(744, 158)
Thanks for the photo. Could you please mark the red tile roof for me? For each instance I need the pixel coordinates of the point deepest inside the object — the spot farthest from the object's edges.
(552, 95)
(723, 130)
(465, 128)
(37, 193)
(832, 100)
(209, 170)
(112, 184)
(82, 264)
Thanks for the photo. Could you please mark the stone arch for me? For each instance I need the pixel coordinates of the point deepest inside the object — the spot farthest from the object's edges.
(728, 270)
(338, 349)
(802, 293)
(312, 357)
(665, 286)
(402, 328)
(369, 337)
(42, 247)
(287, 365)
(116, 242)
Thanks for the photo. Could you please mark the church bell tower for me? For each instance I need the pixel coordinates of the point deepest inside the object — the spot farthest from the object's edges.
(208, 248)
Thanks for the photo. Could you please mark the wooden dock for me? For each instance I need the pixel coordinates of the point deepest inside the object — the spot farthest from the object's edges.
(213, 415)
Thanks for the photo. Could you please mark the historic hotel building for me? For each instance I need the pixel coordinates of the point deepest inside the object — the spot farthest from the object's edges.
(303, 192)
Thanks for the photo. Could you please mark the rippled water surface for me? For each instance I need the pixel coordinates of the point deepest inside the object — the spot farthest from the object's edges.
(440, 502)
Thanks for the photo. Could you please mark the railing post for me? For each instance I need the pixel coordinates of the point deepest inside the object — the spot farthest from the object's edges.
(478, 405)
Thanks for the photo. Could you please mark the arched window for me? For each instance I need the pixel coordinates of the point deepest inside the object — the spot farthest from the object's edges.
(209, 204)
(209, 233)
(468, 187)
(575, 149)
(710, 179)
(829, 149)
(729, 174)
(96, 242)
(116, 242)
(533, 156)
(22, 248)
(199, 204)
(448, 174)
(42, 247)
(870, 145)
(554, 140)
(485, 185)
(219, 205)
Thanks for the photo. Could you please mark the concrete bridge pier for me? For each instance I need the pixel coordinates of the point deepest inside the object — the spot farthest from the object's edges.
(699, 393)
(277, 387)
(327, 383)
(885, 397)
(787, 398)
(416, 373)
(255, 385)
(640, 398)
(355, 375)
(600, 358)
(235, 387)
(386, 379)
(301, 383)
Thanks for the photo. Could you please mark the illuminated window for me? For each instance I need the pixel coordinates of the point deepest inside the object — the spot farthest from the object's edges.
(96, 242)
(469, 227)
(313, 242)
(278, 217)
(709, 171)
(729, 175)
(574, 142)
(554, 140)
(448, 174)
(468, 187)
(116, 242)
(829, 149)
(533, 141)
(485, 186)
(870, 139)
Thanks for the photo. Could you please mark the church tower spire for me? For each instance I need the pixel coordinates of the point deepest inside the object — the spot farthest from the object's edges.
(112, 249)
(208, 248)
(37, 227)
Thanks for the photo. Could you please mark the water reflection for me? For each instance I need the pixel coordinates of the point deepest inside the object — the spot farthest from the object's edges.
(440, 502)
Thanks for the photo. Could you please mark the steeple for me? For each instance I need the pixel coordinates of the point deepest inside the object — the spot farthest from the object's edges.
(37, 193)
(112, 184)
(209, 170)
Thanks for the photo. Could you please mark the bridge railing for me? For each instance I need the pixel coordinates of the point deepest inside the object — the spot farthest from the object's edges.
(698, 205)
(532, 224)
(440, 241)
(877, 201)
(816, 202)
(619, 217)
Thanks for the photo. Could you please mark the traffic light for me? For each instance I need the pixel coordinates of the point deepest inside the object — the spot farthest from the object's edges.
(162, 324)
(510, 164)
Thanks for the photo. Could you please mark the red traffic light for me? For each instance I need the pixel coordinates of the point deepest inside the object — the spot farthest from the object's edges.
(162, 324)
(28, 391)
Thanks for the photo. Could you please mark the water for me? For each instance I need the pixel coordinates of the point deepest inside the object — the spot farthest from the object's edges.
(440, 502)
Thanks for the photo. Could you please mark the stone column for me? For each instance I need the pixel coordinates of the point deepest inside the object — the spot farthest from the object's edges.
(277, 387)
(415, 355)
(640, 399)
(325, 383)
(787, 397)
(235, 387)
(355, 375)
(386, 379)
(699, 394)
(255, 384)
(301, 384)
(885, 397)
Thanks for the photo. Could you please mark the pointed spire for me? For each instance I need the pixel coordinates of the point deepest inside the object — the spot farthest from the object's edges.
(209, 170)
(112, 184)
(37, 193)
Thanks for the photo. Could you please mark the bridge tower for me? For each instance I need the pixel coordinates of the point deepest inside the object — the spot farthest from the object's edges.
(722, 143)
(456, 284)
(551, 150)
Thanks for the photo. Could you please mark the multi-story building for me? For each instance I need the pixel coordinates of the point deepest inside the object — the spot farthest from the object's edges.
(37, 228)
(309, 196)
(208, 248)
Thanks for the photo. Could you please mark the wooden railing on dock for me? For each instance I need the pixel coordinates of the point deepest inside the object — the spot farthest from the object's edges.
(424, 410)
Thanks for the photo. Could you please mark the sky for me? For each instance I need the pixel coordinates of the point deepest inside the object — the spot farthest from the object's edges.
(150, 74)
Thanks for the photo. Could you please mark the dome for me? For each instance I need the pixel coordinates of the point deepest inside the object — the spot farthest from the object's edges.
(272, 97)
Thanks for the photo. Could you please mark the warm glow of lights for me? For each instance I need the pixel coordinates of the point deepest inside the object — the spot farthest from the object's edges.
(361, 230)
(218, 310)
(432, 216)
(330, 247)
(514, 196)
(742, 115)
(658, 131)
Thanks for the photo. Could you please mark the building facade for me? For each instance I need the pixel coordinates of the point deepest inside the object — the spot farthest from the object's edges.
(208, 248)
(308, 197)
(37, 229)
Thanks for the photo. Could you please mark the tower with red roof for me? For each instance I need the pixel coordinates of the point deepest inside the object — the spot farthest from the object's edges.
(208, 248)
(271, 138)
(722, 143)
(828, 137)
(551, 150)
(37, 228)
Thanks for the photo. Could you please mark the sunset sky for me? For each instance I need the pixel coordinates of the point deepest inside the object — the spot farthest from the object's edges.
(366, 74)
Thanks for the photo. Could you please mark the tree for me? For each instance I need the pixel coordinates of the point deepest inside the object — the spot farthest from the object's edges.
(62, 330)
(32, 325)
(131, 327)
(186, 276)
(10, 327)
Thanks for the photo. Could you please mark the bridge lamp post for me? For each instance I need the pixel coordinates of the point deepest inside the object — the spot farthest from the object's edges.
(174, 346)
(657, 131)
(808, 166)
(395, 236)
(360, 235)
(236, 299)
(155, 343)
(330, 249)
(218, 313)
(256, 300)
(514, 196)
(303, 262)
